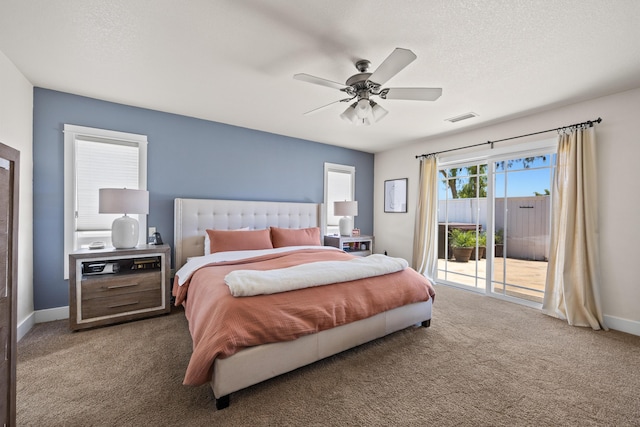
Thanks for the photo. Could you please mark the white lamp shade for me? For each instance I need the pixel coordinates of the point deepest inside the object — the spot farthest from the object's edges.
(345, 208)
(123, 200)
(349, 114)
(378, 112)
(124, 230)
(363, 109)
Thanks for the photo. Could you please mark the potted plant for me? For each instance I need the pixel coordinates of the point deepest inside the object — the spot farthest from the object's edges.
(499, 237)
(463, 243)
(481, 249)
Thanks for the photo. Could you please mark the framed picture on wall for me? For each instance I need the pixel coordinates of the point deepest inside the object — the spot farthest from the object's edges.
(395, 195)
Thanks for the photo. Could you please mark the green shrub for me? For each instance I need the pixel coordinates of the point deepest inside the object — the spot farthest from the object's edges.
(462, 239)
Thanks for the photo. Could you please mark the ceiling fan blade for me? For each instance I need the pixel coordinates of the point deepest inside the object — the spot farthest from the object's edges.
(327, 105)
(319, 81)
(412, 93)
(392, 65)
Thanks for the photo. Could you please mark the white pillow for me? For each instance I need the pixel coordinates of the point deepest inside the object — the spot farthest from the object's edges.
(207, 242)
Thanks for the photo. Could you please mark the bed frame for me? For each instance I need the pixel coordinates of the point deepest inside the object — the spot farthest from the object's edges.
(256, 364)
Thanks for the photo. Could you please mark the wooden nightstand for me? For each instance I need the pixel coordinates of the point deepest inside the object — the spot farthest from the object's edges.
(109, 286)
(355, 245)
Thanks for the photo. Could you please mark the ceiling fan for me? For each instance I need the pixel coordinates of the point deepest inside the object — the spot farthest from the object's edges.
(364, 85)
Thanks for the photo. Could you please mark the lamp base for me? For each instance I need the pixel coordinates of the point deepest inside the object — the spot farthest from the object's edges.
(346, 226)
(124, 232)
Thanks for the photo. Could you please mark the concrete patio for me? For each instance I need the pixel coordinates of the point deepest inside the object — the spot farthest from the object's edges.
(524, 279)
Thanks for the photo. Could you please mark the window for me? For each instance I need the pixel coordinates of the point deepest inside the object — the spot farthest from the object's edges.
(339, 185)
(94, 159)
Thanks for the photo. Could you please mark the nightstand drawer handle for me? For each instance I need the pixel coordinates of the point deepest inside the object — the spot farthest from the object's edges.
(123, 304)
(122, 286)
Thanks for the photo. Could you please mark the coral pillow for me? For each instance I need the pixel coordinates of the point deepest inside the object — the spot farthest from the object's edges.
(281, 237)
(207, 241)
(235, 240)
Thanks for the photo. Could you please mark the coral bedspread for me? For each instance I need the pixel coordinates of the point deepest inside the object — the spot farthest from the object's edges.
(221, 324)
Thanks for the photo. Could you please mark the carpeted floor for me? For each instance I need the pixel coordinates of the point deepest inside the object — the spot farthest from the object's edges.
(482, 362)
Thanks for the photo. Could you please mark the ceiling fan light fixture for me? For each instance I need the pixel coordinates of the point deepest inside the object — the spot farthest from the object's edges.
(363, 109)
(374, 113)
(349, 114)
(377, 111)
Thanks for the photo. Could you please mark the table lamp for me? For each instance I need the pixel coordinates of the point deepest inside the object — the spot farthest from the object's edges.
(347, 210)
(124, 230)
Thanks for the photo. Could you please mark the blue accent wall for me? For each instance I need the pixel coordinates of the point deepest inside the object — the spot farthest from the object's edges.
(187, 157)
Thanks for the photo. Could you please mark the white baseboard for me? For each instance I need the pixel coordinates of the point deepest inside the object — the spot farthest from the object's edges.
(26, 325)
(51, 314)
(41, 316)
(623, 325)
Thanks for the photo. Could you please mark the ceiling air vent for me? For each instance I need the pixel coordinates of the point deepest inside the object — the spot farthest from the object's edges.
(462, 117)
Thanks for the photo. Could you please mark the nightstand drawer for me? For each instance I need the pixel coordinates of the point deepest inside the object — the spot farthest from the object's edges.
(121, 303)
(107, 286)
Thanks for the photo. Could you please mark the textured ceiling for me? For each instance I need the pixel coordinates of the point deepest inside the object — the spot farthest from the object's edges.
(232, 61)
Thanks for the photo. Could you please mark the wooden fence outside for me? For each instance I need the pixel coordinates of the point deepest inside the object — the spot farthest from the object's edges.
(528, 222)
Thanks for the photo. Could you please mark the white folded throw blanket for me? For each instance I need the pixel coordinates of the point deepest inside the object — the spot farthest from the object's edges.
(258, 282)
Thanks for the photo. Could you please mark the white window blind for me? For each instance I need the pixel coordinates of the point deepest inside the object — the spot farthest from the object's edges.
(339, 185)
(338, 190)
(102, 164)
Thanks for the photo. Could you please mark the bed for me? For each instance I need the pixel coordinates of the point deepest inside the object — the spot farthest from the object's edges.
(249, 362)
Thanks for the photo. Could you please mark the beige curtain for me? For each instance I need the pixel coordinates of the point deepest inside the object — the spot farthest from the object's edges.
(425, 256)
(572, 289)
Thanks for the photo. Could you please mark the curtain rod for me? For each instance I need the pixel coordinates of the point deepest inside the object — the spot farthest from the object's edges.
(588, 122)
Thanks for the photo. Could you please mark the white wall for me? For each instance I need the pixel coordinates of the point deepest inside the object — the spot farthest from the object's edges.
(16, 131)
(619, 174)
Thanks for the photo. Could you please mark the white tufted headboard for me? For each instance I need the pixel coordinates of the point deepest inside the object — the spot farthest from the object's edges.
(193, 216)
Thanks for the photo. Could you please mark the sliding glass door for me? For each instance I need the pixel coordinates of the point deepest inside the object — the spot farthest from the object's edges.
(500, 206)
(462, 222)
(522, 207)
